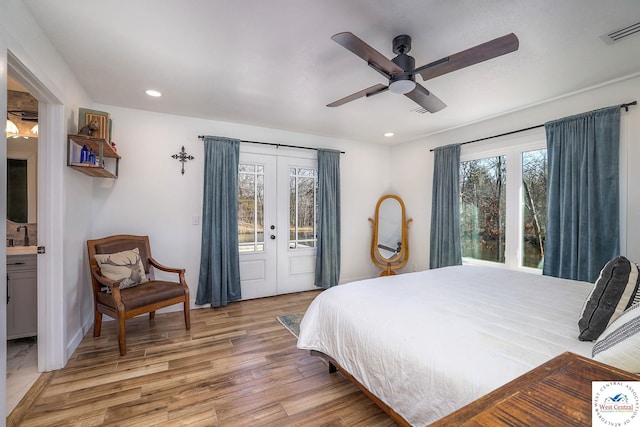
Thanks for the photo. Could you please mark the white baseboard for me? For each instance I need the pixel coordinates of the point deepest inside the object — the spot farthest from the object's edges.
(77, 338)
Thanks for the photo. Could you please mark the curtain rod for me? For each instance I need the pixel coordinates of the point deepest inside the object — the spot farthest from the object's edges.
(625, 106)
(276, 144)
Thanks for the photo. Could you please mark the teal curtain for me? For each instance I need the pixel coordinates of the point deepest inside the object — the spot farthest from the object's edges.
(219, 281)
(583, 230)
(327, 273)
(445, 249)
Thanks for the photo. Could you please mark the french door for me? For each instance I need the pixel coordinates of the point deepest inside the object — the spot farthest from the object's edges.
(277, 208)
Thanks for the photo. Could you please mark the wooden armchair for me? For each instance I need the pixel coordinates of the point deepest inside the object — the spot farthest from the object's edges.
(112, 298)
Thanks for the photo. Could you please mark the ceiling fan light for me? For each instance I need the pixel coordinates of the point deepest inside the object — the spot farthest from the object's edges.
(402, 86)
(11, 128)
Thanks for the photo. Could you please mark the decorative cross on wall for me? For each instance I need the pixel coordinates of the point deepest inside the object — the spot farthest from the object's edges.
(182, 156)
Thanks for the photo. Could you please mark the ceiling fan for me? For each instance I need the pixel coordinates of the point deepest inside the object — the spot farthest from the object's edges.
(401, 71)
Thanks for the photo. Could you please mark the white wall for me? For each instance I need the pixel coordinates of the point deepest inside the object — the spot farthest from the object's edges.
(151, 196)
(412, 163)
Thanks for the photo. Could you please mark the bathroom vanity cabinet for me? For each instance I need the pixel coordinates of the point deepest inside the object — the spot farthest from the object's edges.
(22, 297)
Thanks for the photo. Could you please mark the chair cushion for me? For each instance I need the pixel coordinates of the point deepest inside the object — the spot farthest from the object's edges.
(125, 266)
(148, 293)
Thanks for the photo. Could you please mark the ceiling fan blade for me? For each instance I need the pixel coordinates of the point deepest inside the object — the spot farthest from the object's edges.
(482, 52)
(370, 91)
(425, 99)
(374, 58)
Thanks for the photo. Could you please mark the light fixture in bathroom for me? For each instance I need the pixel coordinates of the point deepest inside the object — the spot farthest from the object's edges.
(11, 128)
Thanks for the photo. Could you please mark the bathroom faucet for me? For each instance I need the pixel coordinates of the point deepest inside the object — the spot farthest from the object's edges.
(26, 234)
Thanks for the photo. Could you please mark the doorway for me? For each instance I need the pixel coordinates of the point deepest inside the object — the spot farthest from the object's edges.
(51, 335)
(277, 209)
(21, 240)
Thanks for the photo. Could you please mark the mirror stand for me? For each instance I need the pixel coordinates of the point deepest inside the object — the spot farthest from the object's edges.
(390, 239)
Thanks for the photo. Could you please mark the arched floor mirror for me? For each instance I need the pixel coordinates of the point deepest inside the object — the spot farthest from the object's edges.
(390, 240)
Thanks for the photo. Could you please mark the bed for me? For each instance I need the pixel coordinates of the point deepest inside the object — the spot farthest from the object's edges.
(427, 343)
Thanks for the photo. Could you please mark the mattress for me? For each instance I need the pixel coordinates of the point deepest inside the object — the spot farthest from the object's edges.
(430, 342)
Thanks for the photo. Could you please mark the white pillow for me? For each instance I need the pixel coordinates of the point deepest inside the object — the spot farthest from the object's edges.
(619, 344)
(125, 266)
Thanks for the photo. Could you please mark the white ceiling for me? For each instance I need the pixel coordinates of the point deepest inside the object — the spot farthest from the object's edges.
(273, 64)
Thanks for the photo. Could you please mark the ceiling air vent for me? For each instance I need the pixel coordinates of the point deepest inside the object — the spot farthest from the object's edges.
(622, 33)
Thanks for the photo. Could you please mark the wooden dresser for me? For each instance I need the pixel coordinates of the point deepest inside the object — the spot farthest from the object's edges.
(557, 393)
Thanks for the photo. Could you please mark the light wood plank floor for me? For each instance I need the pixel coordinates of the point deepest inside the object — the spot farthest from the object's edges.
(236, 367)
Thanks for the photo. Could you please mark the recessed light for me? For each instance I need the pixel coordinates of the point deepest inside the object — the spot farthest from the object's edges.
(152, 92)
(389, 134)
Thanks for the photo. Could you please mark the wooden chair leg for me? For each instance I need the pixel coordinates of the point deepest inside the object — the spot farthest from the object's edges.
(187, 315)
(122, 340)
(152, 315)
(97, 324)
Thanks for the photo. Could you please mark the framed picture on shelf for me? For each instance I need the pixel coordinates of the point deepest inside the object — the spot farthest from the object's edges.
(86, 115)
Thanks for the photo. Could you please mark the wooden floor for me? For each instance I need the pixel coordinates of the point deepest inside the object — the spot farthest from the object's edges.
(236, 367)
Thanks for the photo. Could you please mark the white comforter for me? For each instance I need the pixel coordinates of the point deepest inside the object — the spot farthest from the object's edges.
(428, 343)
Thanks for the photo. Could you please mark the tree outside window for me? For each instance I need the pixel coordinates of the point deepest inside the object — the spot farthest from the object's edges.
(483, 209)
(499, 194)
(534, 202)
(251, 208)
(303, 207)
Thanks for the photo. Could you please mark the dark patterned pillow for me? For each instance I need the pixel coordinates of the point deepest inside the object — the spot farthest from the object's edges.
(619, 344)
(614, 292)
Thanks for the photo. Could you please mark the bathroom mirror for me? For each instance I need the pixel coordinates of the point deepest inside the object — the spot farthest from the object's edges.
(389, 241)
(22, 154)
(22, 193)
(17, 194)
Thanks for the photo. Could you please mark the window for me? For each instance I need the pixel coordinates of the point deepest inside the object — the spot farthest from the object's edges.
(251, 207)
(303, 207)
(503, 206)
(482, 208)
(534, 202)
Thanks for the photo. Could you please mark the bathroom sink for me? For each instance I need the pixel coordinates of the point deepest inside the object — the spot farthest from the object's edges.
(22, 250)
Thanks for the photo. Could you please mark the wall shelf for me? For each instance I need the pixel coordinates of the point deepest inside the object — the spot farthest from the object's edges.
(103, 151)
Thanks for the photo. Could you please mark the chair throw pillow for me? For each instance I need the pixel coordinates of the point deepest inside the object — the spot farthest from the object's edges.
(615, 290)
(619, 344)
(125, 266)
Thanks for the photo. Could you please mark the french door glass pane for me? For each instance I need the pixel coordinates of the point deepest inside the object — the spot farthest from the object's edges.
(303, 188)
(482, 208)
(534, 202)
(251, 207)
